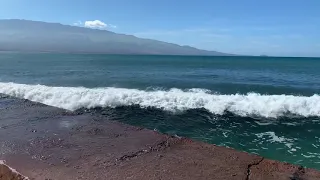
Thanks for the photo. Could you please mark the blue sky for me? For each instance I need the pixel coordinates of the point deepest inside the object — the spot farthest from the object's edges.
(253, 27)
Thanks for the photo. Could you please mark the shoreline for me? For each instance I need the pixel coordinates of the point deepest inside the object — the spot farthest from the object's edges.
(43, 142)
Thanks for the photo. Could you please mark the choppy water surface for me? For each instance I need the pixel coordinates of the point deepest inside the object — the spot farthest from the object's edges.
(263, 105)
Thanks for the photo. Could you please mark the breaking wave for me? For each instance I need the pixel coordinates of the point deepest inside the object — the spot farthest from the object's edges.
(251, 104)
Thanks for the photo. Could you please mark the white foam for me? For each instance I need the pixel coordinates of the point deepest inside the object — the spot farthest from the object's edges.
(263, 123)
(273, 138)
(73, 98)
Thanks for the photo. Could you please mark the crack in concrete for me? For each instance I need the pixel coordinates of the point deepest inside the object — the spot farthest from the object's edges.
(158, 147)
(249, 167)
(298, 174)
(130, 156)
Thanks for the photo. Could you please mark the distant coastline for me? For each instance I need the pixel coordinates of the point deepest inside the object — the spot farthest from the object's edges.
(124, 54)
(36, 36)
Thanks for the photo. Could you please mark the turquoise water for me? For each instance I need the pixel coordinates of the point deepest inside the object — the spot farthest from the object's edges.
(263, 105)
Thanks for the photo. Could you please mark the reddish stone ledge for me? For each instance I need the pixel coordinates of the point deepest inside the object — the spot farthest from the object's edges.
(44, 142)
(7, 173)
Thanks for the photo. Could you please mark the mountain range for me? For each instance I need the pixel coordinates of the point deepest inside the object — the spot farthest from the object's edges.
(36, 36)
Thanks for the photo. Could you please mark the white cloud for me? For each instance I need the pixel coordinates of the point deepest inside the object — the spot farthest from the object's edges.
(78, 23)
(97, 24)
(112, 26)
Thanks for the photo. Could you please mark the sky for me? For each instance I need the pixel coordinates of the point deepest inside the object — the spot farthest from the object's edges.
(246, 27)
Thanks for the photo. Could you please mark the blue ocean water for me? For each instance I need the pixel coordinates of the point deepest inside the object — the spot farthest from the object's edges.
(264, 105)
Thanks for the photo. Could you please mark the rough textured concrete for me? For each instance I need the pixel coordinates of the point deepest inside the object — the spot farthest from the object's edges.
(269, 169)
(45, 142)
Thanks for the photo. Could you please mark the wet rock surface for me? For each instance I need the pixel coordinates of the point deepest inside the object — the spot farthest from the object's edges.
(44, 142)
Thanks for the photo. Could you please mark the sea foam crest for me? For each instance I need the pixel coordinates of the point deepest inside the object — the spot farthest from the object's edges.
(251, 104)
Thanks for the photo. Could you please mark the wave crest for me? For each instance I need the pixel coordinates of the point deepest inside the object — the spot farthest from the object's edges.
(251, 104)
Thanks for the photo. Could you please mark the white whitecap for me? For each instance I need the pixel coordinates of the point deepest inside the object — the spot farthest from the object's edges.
(251, 104)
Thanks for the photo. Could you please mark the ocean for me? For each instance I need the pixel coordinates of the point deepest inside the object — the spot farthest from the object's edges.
(268, 106)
